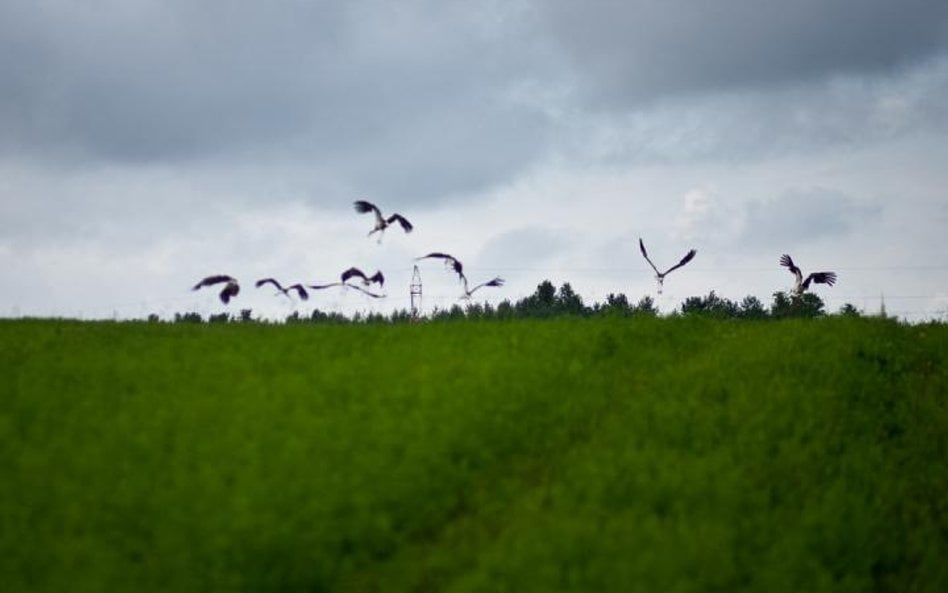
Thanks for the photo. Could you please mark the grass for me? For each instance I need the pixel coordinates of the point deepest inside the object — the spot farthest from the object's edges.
(565, 455)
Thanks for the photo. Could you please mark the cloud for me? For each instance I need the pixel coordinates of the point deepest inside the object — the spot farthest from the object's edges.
(526, 247)
(623, 53)
(801, 215)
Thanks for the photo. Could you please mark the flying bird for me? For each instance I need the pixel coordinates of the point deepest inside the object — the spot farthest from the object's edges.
(299, 288)
(802, 285)
(377, 278)
(230, 290)
(660, 276)
(449, 261)
(381, 223)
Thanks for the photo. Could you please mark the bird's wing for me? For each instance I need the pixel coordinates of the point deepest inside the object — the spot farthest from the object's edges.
(498, 281)
(231, 289)
(688, 257)
(401, 220)
(212, 280)
(322, 286)
(377, 277)
(436, 254)
(645, 255)
(353, 272)
(300, 290)
(820, 278)
(272, 281)
(363, 207)
(786, 262)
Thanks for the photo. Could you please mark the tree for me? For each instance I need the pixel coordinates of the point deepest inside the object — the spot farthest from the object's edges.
(807, 305)
(849, 310)
(568, 302)
(712, 305)
(646, 306)
(752, 308)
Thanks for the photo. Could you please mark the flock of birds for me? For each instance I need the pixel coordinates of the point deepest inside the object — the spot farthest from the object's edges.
(363, 282)
(352, 277)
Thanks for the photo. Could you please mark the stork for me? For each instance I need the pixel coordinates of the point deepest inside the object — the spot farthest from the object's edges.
(353, 272)
(381, 223)
(660, 276)
(455, 264)
(299, 288)
(377, 278)
(230, 290)
(801, 285)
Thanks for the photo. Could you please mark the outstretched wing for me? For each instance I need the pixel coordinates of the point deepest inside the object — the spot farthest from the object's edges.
(272, 281)
(456, 265)
(688, 257)
(212, 280)
(438, 255)
(353, 273)
(377, 278)
(300, 290)
(645, 255)
(820, 278)
(363, 207)
(322, 286)
(401, 220)
(498, 281)
(786, 262)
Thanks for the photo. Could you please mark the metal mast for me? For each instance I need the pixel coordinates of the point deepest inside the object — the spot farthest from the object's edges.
(416, 294)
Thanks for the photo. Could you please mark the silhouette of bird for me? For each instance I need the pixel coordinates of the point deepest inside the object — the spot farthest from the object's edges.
(381, 223)
(300, 290)
(230, 290)
(455, 264)
(660, 276)
(449, 261)
(377, 278)
(498, 281)
(802, 285)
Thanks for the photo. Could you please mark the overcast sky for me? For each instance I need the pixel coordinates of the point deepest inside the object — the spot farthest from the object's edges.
(145, 144)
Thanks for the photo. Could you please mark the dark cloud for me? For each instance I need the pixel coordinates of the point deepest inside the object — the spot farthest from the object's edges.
(622, 53)
(798, 216)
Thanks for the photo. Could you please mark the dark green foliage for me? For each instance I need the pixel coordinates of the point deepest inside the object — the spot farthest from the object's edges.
(638, 454)
(849, 310)
(712, 306)
(805, 306)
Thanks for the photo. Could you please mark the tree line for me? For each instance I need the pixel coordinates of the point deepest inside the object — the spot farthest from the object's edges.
(548, 301)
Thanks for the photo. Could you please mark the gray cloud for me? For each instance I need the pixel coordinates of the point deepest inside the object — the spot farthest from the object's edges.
(802, 215)
(625, 52)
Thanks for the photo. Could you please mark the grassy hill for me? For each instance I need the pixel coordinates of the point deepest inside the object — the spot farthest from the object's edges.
(564, 455)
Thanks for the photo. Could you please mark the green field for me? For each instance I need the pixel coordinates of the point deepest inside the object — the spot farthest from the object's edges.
(650, 455)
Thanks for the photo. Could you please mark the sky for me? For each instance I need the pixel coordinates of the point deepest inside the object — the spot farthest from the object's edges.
(145, 144)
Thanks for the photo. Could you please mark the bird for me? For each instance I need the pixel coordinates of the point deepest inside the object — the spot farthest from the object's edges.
(802, 285)
(660, 276)
(377, 278)
(299, 288)
(498, 281)
(353, 272)
(455, 264)
(449, 261)
(381, 223)
(230, 290)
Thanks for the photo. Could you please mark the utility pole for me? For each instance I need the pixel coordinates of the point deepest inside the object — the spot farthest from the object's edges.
(416, 294)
